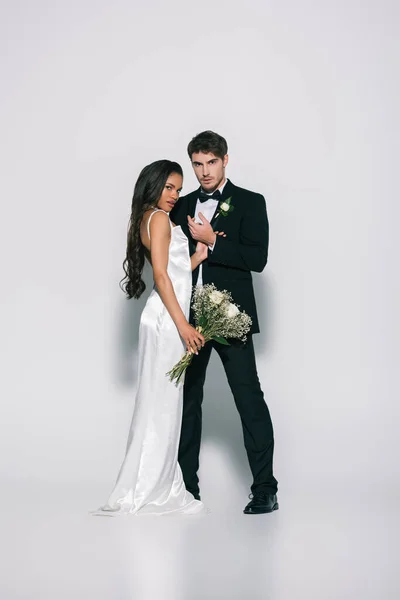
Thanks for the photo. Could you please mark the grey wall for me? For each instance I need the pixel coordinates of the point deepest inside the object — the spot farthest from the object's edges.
(305, 94)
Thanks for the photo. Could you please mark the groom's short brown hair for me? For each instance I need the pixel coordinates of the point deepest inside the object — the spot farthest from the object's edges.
(206, 142)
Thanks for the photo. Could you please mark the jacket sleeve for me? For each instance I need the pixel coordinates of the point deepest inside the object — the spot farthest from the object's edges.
(250, 253)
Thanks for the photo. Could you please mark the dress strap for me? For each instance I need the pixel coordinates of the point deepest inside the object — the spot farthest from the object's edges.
(153, 213)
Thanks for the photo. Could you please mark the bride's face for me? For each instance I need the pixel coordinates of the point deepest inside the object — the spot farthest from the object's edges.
(171, 191)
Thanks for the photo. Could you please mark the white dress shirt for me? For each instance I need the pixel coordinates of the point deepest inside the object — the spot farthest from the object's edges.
(208, 209)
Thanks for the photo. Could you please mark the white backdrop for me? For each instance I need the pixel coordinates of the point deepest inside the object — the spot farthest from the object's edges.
(305, 94)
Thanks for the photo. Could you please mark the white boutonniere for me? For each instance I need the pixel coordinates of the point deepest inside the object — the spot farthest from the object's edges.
(225, 207)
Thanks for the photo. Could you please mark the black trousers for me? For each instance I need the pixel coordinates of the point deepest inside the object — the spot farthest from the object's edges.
(239, 363)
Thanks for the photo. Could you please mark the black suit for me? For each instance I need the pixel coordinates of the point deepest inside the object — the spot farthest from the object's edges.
(229, 267)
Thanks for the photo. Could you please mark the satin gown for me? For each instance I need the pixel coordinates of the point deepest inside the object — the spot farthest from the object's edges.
(150, 479)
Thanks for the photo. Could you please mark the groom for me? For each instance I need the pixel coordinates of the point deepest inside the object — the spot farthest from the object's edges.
(218, 205)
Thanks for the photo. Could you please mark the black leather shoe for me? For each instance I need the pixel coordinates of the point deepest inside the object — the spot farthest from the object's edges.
(261, 503)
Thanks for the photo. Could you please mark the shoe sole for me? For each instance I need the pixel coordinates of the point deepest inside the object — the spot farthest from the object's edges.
(263, 512)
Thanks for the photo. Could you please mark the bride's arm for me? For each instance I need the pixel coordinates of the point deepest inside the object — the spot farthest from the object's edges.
(202, 252)
(200, 255)
(160, 235)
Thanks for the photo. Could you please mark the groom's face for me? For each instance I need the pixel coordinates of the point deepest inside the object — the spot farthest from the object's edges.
(209, 170)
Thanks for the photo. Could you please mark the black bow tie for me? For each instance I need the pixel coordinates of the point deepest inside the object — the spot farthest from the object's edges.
(203, 197)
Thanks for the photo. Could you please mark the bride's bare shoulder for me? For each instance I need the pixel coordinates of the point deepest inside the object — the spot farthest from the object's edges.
(159, 222)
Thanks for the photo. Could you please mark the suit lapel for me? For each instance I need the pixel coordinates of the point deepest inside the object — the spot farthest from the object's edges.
(216, 215)
(190, 210)
(193, 202)
(226, 193)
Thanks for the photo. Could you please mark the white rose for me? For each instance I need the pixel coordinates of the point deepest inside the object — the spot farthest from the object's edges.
(231, 311)
(216, 297)
(224, 206)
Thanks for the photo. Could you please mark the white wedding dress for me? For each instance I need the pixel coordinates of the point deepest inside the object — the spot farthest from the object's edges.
(150, 479)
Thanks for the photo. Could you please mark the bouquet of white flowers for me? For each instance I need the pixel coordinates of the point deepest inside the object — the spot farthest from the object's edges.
(217, 318)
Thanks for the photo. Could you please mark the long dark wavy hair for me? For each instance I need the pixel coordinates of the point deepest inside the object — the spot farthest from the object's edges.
(147, 192)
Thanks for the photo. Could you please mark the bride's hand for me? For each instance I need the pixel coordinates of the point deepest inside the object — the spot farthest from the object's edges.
(193, 339)
(201, 251)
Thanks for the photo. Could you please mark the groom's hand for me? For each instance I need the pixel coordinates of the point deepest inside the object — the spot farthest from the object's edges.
(202, 232)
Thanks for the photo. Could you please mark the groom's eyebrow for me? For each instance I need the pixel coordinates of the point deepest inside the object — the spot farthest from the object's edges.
(196, 162)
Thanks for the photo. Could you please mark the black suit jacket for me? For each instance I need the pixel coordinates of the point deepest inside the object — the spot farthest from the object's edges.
(244, 249)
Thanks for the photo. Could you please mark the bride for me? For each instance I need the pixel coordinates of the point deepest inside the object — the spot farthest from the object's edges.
(150, 479)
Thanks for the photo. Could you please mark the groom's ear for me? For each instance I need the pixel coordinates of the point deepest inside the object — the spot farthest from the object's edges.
(225, 160)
